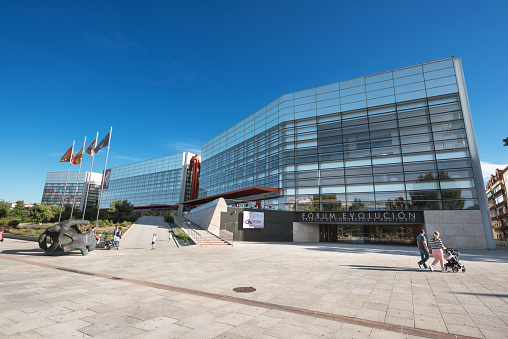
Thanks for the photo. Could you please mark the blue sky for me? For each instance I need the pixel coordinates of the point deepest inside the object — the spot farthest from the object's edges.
(170, 75)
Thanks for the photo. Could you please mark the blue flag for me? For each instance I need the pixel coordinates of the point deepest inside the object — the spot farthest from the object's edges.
(104, 142)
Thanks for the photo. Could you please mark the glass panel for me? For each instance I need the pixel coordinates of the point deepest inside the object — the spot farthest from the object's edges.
(439, 73)
(353, 106)
(418, 157)
(410, 96)
(390, 187)
(428, 67)
(441, 82)
(387, 160)
(378, 77)
(380, 93)
(352, 83)
(408, 80)
(359, 188)
(380, 85)
(464, 183)
(387, 168)
(442, 90)
(381, 101)
(453, 154)
(333, 189)
(327, 88)
(455, 174)
(418, 86)
(407, 71)
(456, 134)
(389, 177)
(353, 98)
(390, 195)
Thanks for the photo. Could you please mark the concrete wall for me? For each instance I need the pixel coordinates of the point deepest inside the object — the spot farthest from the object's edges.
(458, 229)
(305, 232)
(209, 218)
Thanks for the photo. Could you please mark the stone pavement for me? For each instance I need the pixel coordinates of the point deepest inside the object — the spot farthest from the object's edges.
(139, 235)
(319, 290)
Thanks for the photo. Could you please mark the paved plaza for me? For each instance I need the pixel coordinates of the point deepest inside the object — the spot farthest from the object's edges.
(318, 290)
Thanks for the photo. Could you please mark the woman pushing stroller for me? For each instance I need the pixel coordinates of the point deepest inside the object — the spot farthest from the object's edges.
(437, 248)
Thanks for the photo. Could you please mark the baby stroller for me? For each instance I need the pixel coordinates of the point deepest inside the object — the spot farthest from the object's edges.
(452, 261)
(109, 244)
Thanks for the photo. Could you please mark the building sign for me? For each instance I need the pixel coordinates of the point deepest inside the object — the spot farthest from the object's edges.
(107, 175)
(253, 220)
(411, 217)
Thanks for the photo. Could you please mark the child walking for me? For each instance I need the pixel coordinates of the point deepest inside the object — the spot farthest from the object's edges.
(154, 237)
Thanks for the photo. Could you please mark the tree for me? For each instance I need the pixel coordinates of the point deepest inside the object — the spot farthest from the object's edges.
(505, 141)
(120, 209)
(41, 213)
(357, 205)
(19, 209)
(5, 210)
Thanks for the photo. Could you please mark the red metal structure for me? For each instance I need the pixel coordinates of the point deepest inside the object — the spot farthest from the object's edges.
(195, 166)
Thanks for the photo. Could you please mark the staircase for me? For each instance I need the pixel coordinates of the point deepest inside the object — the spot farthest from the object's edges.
(201, 236)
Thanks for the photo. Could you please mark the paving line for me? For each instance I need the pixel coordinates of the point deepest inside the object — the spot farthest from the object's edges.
(295, 310)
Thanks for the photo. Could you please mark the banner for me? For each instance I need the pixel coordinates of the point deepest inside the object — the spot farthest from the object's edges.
(107, 175)
(253, 220)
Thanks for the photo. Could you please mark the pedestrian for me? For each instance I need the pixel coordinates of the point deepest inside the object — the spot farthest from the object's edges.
(170, 236)
(2, 233)
(117, 235)
(154, 237)
(437, 251)
(424, 249)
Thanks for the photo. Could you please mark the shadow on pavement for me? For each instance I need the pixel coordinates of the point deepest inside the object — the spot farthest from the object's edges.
(384, 268)
(38, 252)
(494, 256)
(33, 252)
(484, 294)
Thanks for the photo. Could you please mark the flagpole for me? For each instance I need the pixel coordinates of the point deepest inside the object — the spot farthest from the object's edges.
(77, 180)
(103, 173)
(65, 187)
(87, 183)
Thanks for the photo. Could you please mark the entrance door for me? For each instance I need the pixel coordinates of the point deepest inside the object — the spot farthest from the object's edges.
(327, 233)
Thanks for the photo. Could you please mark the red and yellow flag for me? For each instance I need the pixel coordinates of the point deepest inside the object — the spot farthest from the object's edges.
(78, 157)
(67, 156)
(90, 148)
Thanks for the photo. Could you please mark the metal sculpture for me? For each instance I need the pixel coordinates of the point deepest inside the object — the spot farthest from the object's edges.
(66, 236)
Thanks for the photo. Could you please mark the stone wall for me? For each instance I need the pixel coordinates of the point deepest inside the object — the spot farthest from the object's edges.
(209, 218)
(305, 232)
(458, 229)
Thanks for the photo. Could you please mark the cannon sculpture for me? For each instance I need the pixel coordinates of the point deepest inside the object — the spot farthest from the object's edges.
(66, 236)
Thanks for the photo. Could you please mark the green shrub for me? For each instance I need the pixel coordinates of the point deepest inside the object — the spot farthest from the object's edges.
(125, 224)
(169, 219)
(13, 223)
(184, 237)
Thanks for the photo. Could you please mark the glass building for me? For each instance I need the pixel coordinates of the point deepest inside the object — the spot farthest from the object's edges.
(160, 181)
(396, 140)
(393, 140)
(55, 185)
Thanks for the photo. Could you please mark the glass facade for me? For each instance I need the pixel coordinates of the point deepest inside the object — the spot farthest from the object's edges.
(393, 140)
(55, 185)
(159, 181)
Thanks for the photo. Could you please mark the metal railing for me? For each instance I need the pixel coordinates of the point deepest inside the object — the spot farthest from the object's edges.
(198, 238)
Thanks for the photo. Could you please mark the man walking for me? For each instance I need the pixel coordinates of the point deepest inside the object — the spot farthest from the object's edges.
(424, 249)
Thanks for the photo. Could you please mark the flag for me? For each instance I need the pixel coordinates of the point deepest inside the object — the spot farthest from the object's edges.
(76, 160)
(90, 149)
(104, 142)
(67, 156)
